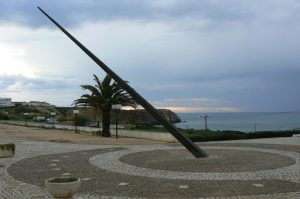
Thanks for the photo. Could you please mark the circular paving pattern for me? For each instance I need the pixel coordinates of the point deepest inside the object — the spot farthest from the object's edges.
(102, 183)
(217, 161)
(225, 163)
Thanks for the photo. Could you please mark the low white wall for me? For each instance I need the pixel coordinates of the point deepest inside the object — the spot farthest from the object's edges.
(146, 135)
(124, 133)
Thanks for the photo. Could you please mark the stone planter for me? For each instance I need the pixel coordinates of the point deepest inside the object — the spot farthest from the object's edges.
(62, 187)
(7, 150)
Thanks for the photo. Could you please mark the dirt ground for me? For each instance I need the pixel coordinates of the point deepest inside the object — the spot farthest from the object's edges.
(65, 136)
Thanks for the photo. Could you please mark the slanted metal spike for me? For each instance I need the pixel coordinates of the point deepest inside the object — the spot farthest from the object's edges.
(185, 141)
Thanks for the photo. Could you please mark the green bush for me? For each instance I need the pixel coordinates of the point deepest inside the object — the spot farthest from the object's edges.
(8, 147)
(150, 128)
(202, 136)
(213, 136)
(25, 109)
(16, 118)
(269, 134)
(3, 117)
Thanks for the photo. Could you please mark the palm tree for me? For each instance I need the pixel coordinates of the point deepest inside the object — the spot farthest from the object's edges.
(103, 95)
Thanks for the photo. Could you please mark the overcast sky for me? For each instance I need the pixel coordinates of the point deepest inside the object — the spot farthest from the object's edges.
(187, 55)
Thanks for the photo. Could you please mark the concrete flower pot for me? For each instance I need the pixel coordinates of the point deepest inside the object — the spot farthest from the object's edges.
(7, 150)
(62, 187)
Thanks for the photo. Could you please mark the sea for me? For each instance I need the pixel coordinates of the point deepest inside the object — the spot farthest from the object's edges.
(242, 121)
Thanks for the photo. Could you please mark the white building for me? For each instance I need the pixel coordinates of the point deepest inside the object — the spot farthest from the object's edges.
(4, 102)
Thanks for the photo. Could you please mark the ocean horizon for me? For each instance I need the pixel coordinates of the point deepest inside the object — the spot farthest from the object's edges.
(242, 121)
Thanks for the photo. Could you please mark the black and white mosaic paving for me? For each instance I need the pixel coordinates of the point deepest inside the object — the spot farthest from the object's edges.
(156, 171)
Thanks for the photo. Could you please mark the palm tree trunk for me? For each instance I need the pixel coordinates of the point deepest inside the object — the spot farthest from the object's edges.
(106, 123)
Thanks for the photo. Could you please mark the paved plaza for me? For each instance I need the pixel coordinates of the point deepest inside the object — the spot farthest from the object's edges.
(247, 169)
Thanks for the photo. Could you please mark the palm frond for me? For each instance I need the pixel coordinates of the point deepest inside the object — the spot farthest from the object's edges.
(103, 94)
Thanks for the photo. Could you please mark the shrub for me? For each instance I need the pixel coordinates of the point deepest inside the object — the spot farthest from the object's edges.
(150, 128)
(269, 134)
(3, 117)
(213, 136)
(202, 136)
(8, 147)
(25, 109)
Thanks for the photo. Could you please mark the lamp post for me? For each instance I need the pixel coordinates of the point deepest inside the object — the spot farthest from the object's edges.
(76, 112)
(6, 116)
(26, 115)
(205, 118)
(53, 116)
(116, 107)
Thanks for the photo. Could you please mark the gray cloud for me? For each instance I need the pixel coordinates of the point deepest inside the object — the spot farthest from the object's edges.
(73, 12)
(8, 81)
(54, 90)
(241, 53)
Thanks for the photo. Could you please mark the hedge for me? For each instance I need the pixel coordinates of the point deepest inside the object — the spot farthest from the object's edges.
(202, 136)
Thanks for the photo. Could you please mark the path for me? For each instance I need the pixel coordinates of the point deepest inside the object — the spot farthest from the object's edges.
(264, 168)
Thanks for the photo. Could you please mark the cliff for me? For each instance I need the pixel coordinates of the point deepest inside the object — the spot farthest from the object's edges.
(66, 114)
(142, 117)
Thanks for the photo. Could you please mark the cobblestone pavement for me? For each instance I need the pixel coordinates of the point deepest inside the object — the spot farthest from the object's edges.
(110, 162)
(14, 189)
(19, 185)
